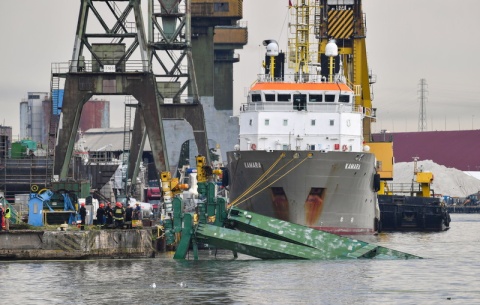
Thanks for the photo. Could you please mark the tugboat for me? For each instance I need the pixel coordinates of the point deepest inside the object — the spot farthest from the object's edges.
(302, 155)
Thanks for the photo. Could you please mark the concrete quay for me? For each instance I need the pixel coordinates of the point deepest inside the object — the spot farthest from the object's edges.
(53, 245)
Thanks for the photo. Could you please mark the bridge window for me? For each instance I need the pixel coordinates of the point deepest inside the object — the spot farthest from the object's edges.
(344, 98)
(312, 122)
(256, 97)
(267, 122)
(332, 122)
(284, 97)
(270, 97)
(285, 122)
(315, 98)
(299, 102)
(329, 98)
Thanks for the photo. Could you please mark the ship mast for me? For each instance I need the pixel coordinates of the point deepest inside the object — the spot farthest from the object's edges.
(302, 47)
(317, 22)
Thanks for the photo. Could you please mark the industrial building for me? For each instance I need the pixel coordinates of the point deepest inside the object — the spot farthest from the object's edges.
(453, 148)
(35, 117)
(35, 113)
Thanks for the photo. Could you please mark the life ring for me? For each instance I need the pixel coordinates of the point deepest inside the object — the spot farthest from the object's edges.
(344, 147)
(34, 188)
(254, 146)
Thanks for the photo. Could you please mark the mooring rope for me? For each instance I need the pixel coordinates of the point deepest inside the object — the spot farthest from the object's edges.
(237, 201)
(258, 181)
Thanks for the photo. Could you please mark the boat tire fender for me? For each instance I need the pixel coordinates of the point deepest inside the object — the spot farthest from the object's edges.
(377, 225)
(225, 177)
(376, 182)
(446, 218)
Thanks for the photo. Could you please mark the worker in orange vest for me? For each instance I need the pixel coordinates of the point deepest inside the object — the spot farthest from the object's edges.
(118, 215)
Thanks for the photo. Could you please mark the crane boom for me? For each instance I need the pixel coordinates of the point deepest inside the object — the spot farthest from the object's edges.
(314, 23)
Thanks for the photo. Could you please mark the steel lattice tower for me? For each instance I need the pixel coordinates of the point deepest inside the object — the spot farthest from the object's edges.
(422, 98)
(112, 56)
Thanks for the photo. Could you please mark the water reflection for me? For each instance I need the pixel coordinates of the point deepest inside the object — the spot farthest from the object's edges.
(447, 272)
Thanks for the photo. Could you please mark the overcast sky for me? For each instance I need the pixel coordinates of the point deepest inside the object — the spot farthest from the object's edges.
(406, 40)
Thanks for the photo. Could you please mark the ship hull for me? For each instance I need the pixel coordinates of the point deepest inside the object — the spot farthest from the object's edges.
(330, 191)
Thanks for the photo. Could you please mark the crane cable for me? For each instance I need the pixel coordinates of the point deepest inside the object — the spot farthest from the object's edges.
(258, 181)
(237, 202)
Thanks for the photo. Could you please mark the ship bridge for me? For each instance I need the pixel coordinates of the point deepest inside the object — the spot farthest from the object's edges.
(301, 116)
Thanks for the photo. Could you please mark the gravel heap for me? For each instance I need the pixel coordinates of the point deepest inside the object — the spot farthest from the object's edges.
(446, 181)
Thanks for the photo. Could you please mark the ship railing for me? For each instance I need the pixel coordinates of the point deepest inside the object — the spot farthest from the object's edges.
(311, 107)
(357, 89)
(404, 188)
(303, 78)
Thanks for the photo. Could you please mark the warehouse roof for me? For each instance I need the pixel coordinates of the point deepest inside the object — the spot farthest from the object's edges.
(108, 139)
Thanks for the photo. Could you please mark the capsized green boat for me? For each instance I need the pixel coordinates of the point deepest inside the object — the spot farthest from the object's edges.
(257, 235)
(269, 238)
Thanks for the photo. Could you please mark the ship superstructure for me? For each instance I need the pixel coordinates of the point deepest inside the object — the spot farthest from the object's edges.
(301, 116)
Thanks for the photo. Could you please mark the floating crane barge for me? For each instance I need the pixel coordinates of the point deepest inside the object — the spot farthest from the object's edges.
(256, 235)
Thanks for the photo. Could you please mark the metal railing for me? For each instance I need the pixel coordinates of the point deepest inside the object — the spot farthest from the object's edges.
(303, 78)
(310, 78)
(404, 188)
(311, 107)
(93, 66)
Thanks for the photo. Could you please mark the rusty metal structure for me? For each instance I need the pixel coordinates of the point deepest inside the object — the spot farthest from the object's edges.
(122, 62)
(95, 114)
(216, 32)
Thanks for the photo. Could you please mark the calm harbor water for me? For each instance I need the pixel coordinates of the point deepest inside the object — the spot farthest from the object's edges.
(449, 274)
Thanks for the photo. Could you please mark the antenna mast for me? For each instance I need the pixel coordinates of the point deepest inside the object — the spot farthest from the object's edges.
(422, 116)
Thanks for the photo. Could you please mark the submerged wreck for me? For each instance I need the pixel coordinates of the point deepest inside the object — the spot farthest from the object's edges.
(217, 224)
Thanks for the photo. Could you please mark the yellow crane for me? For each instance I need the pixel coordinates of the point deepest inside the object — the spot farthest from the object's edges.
(314, 24)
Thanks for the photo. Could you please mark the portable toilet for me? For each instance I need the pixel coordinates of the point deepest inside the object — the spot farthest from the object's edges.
(35, 208)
